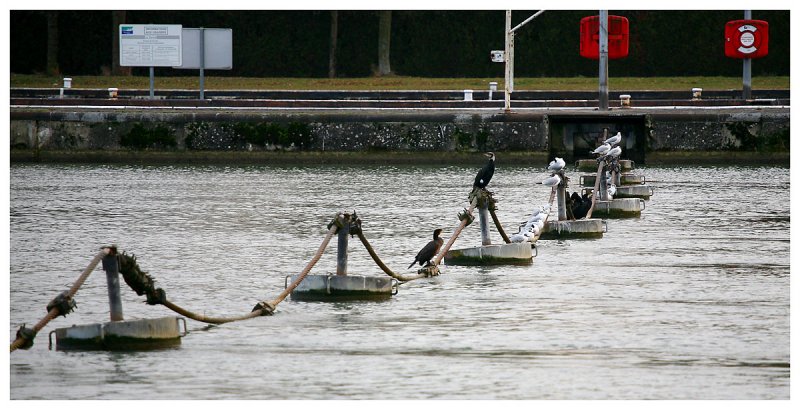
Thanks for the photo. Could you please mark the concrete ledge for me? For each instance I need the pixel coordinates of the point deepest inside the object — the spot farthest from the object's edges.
(619, 208)
(634, 191)
(578, 229)
(505, 254)
(624, 179)
(332, 288)
(144, 334)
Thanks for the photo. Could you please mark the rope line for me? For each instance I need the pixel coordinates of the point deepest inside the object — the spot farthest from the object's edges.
(596, 188)
(379, 262)
(461, 226)
(26, 335)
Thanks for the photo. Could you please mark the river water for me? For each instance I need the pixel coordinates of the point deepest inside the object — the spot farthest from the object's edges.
(688, 301)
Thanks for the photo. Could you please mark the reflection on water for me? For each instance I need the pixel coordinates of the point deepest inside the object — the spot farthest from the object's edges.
(689, 301)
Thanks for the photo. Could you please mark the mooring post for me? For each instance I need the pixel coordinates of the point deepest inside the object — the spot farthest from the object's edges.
(483, 214)
(562, 200)
(341, 251)
(111, 266)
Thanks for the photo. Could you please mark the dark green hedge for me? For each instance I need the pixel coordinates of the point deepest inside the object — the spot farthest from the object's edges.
(424, 43)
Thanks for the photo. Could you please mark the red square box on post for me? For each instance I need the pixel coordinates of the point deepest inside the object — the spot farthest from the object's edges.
(746, 38)
(618, 35)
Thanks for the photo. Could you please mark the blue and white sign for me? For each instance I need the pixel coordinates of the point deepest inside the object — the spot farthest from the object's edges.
(150, 45)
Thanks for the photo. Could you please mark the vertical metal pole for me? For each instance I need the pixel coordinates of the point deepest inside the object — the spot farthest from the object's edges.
(483, 215)
(603, 60)
(202, 63)
(508, 57)
(111, 267)
(747, 65)
(152, 83)
(562, 199)
(341, 250)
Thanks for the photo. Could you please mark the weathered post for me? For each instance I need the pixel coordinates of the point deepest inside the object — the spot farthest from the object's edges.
(603, 194)
(341, 251)
(111, 266)
(562, 199)
(483, 214)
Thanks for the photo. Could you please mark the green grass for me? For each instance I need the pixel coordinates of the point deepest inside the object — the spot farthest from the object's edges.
(401, 83)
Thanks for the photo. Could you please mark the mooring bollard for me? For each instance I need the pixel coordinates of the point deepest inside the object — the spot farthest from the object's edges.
(341, 250)
(111, 266)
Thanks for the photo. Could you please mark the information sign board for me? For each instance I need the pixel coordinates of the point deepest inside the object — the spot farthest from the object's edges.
(150, 45)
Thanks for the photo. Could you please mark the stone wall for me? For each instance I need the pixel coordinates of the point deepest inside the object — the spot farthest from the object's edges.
(665, 130)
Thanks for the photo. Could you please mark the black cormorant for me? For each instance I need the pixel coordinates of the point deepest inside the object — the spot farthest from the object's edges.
(583, 209)
(429, 251)
(485, 174)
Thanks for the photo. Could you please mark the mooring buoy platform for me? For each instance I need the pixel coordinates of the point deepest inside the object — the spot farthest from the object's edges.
(576, 229)
(619, 208)
(326, 288)
(503, 254)
(625, 179)
(634, 191)
(142, 334)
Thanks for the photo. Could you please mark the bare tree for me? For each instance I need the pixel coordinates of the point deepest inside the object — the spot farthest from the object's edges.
(332, 49)
(117, 17)
(52, 43)
(384, 42)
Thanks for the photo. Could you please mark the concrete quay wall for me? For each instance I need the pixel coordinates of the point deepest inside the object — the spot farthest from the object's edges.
(553, 132)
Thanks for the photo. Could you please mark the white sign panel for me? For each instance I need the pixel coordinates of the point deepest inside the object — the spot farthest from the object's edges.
(218, 46)
(150, 45)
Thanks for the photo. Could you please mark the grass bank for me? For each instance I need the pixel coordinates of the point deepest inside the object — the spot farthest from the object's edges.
(401, 83)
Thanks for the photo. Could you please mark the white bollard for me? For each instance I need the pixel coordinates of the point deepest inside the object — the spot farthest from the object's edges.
(696, 93)
(492, 88)
(467, 95)
(113, 92)
(625, 101)
(67, 82)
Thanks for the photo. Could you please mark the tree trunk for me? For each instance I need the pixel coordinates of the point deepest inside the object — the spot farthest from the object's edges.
(384, 41)
(52, 44)
(332, 49)
(117, 18)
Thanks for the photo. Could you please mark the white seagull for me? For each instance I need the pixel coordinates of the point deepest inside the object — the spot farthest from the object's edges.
(552, 181)
(601, 150)
(614, 140)
(557, 164)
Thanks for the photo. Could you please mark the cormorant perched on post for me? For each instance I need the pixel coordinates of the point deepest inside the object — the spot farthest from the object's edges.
(485, 174)
(429, 251)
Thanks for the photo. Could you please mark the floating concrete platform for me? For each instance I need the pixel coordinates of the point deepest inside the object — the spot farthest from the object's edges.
(619, 208)
(634, 191)
(335, 288)
(125, 335)
(504, 254)
(630, 191)
(581, 228)
(624, 179)
(589, 165)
